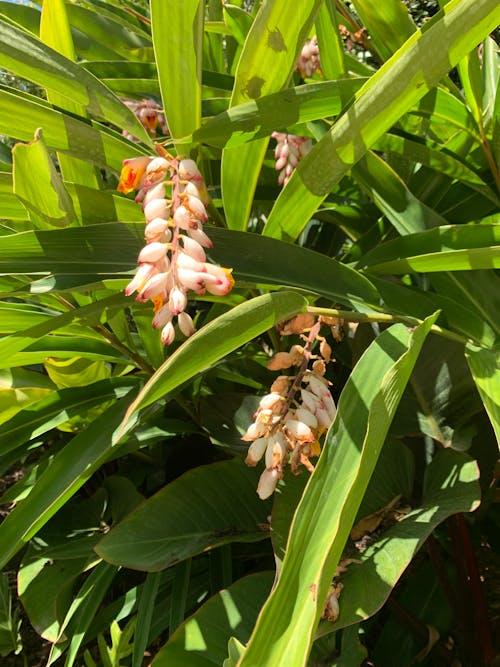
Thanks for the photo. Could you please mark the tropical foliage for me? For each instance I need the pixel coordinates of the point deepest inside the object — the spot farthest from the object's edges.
(352, 163)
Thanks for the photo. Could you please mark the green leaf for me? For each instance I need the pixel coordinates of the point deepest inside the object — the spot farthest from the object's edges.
(38, 185)
(177, 28)
(332, 497)
(485, 369)
(259, 118)
(438, 160)
(82, 611)
(333, 62)
(55, 31)
(69, 470)
(451, 247)
(147, 601)
(202, 640)
(403, 80)
(451, 486)
(28, 57)
(214, 341)
(10, 639)
(392, 196)
(204, 508)
(22, 114)
(388, 24)
(56, 408)
(265, 65)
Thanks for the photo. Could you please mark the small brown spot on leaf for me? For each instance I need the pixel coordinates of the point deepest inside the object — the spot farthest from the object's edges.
(312, 588)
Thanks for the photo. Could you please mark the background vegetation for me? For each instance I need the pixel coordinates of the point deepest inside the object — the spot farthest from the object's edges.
(131, 528)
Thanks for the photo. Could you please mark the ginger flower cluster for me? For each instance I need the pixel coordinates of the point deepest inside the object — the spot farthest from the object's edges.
(292, 417)
(308, 62)
(173, 261)
(151, 116)
(290, 149)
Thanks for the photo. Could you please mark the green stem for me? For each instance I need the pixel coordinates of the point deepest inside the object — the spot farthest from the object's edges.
(353, 316)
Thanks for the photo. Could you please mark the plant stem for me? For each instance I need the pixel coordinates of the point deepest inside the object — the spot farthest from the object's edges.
(353, 316)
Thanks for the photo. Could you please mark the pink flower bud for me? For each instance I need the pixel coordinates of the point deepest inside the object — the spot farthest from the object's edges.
(177, 300)
(195, 206)
(156, 192)
(184, 219)
(162, 317)
(145, 272)
(191, 279)
(185, 324)
(156, 171)
(157, 229)
(200, 236)
(193, 249)
(188, 171)
(153, 252)
(168, 334)
(157, 208)
(155, 286)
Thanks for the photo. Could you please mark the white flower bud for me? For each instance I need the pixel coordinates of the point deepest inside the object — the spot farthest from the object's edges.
(185, 324)
(254, 431)
(157, 208)
(177, 300)
(256, 451)
(268, 482)
(168, 333)
(153, 252)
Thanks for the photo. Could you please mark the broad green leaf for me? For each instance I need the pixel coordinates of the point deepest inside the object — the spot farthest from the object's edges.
(29, 18)
(22, 114)
(403, 80)
(20, 388)
(485, 369)
(392, 196)
(257, 119)
(388, 24)
(204, 508)
(476, 291)
(84, 251)
(177, 28)
(265, 65)
(26, 56)
(333, 63)
(202, 640)
(36, 338)
(69, 470)
(55, 31)
(38, 185)
(214, 341)
(432, 250)
(11, 207)
(332, 497)
(451, 486)
(54, 408)
(438, 160)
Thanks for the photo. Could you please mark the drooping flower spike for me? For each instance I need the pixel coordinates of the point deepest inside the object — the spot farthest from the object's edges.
(298, 410)
(173, 261)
